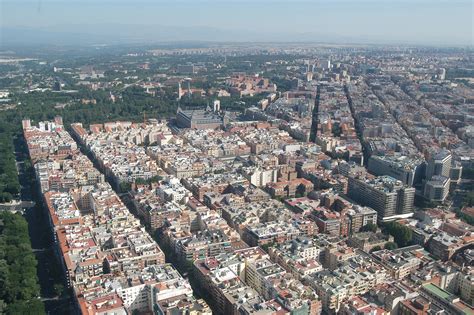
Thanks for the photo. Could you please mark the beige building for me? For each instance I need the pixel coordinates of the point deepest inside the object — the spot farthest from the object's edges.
(466, 287)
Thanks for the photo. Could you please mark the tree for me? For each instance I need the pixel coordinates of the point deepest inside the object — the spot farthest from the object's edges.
(390, 246)
(267, 246)
(19, 287)
(369, 227)
(125, 187)
(469, 199)
(32, 307)
(5, 197)
(58, 289)
(465, 217)
(153, 179)
(9, 184)
(468, 173)
(3, 307)
(401, 234)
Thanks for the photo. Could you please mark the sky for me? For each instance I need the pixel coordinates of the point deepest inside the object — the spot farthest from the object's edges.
(424, 22)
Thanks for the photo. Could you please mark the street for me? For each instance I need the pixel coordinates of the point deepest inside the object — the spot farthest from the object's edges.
(48, 270)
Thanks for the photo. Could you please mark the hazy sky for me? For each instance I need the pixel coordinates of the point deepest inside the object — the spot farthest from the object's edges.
(412, 21)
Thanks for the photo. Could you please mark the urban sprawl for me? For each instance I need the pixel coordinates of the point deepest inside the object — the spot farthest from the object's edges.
(334, 196)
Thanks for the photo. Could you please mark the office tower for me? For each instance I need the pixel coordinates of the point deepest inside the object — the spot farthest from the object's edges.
(57, 86)
(386, 195)
(439, 164)
(217, 106)
(437, 188)
(456, 172)
(189, 86)
(406, 169)
(26, 123)
(58, 120)
(180, 91)
(326, 64)
(442, 74)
